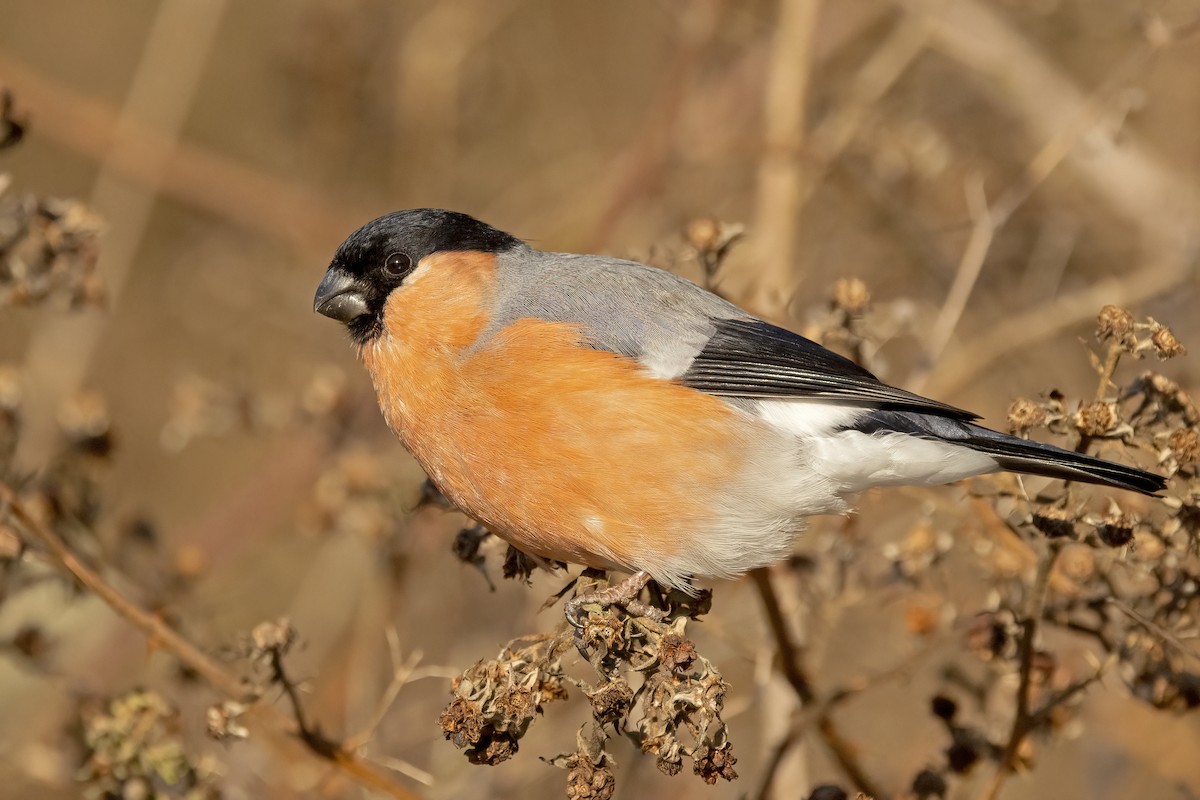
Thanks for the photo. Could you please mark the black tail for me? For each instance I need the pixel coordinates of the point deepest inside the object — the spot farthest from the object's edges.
(1014, 454)
(1035, 458)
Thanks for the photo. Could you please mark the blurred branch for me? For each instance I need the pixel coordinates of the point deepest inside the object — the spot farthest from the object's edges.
(160, 94)
(1064, 128)
(430, 65)
(1023, 720)
(163, 636)
(236, 193)
(812, 160)
(779, 196)
(1124, 175)
(964, 363)
(819, 711)
(643, 162)
(1154, 628)
(983, 233)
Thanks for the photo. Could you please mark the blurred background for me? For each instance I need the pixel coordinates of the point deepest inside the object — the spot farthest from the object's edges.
(994, 171)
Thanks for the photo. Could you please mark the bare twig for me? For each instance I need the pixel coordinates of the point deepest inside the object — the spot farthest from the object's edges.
(964, 364)
(1154, 628)
(1126, 176)
(172, 63)
(821, 711)
(1023, 721)
(780, 195)
(983, 232)
(164, 637)
(239, 194)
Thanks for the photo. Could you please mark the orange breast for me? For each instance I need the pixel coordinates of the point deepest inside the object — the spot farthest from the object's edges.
(567, 452)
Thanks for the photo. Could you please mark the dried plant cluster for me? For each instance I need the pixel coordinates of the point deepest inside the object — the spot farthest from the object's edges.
(1070, 566)
(650, 685)
(1076, 590)
(1119, 573)
(48, 246)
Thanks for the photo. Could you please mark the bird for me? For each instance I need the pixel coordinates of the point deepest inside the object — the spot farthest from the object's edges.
(606, 413)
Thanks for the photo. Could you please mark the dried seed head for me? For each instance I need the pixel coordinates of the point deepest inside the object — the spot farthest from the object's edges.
(611, 702)
(928, 784)
(962, 754)
(989, 637)
(1096, 419)
(1116, 530)
(1165, 344)
(275, 636)
(1115, 324)
(943, 707)
(1185, 445)
(1055, 523)
(851, 295)
(704, 233)
(1024, 414)
(222, 721)
(588, 781)
(676, 652)
(715, 764)
(517, 565)
(921, 618)
(85, 421)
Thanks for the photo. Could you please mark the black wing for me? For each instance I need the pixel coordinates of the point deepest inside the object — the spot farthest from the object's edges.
(754, 359)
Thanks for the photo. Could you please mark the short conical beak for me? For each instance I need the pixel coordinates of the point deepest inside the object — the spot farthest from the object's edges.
(339, 297)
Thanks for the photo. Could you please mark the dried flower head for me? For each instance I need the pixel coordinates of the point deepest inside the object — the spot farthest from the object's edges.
(495, 701)
(1115, 324)
(1165, 344)
(1116, 530)
(1185, 445)
(1025, 414)
(851, 295)
(1054, 522)
(1096, 418)
(222, 721)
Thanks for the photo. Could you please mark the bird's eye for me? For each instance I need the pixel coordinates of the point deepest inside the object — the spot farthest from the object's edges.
(397, 265)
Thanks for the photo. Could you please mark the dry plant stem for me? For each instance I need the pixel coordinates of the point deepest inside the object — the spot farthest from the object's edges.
(157, 631)
(168, 75)
(1124, 175)
(1111, 359)
(797, 677)
(983, 232)
(789, 658)
(780, 195)
(1154, 628)
(644, 161)
(1023, 720)
(163, 636)
(229, 190)
(963, 364)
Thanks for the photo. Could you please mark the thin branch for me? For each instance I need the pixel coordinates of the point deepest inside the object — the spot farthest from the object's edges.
(1154, 628)
(151, 626)
(970, 266)
(963, 364)
(789, 657)
(1023, 721)
(229, 190)
(793, 670)
(164, 637)
(780, 192)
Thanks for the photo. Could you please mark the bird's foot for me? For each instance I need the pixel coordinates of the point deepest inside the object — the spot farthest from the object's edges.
(624, 594)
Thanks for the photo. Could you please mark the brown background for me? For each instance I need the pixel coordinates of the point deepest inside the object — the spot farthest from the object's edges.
(230, 147)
